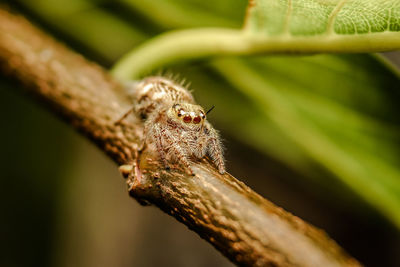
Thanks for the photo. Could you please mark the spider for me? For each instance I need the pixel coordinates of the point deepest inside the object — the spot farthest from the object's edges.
(176, 124)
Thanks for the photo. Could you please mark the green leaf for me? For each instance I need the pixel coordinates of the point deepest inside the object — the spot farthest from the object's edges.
(312, 17)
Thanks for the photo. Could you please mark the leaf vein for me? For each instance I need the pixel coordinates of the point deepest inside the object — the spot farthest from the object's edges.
(388, 20)
(288, 16)
(333, 16)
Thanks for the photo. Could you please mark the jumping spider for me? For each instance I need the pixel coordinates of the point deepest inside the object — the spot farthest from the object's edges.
(175, 123)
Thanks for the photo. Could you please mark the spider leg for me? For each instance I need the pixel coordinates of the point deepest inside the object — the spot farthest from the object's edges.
(126, 114)
(176, 151)
(214, 149)
(167, 145)
(158, 138)
(143, 144)
(182, 159)
(199, 148)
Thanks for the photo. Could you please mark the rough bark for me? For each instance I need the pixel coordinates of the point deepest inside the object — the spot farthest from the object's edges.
(245, 227)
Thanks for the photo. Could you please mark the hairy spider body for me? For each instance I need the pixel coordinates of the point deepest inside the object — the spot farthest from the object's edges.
(176, 124)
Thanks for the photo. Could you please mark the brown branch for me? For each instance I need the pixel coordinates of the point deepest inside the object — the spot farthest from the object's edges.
(245, 227)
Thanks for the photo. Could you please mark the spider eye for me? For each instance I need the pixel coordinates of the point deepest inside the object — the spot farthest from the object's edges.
(187, 119)
(197, 120)
(181, 112)
(175, 106)
(202, 115)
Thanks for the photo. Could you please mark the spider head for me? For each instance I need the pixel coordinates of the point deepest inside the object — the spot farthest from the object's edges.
(187, 114)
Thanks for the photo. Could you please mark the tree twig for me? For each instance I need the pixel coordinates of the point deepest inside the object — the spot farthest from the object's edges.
(245, 227)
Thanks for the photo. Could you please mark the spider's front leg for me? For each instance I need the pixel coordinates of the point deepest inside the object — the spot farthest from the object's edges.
(214, 148)
(155, 133)
(168, 148)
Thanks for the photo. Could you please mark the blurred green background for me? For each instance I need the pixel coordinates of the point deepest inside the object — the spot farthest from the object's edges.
(318, 135)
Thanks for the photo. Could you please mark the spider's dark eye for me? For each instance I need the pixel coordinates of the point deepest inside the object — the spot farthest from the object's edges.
(181, 112)
(187, 119)
(202, 115)
(197, 120)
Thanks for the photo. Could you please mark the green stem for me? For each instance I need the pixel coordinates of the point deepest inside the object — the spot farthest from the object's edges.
(193, 44)
(178, 45)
